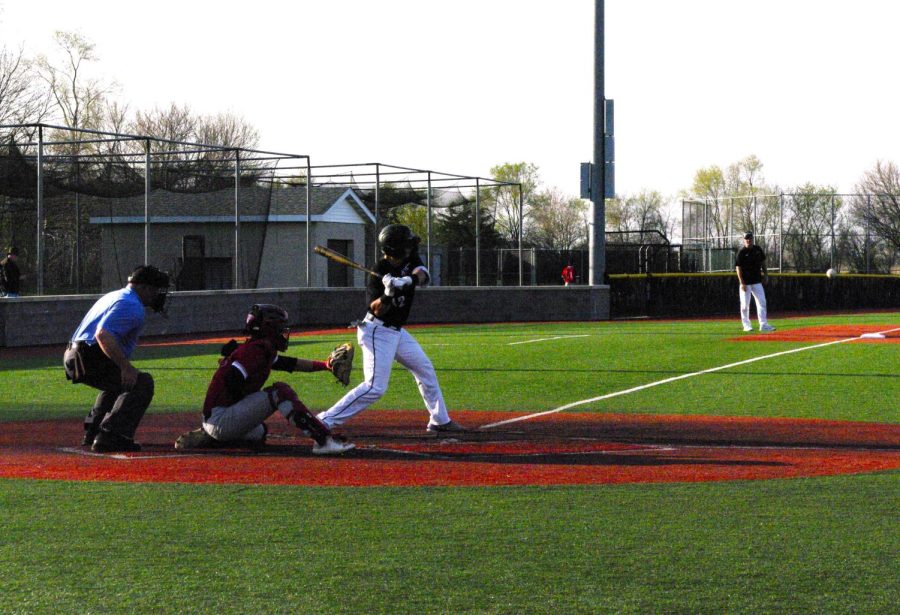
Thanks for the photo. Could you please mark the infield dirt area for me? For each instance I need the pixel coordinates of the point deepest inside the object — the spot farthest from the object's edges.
(829, 333)
(393, 449)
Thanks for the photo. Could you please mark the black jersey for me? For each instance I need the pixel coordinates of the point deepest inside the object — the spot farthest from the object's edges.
(751, 261)
(397, 311)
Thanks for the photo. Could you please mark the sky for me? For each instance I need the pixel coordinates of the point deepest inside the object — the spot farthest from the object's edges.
(808, 86)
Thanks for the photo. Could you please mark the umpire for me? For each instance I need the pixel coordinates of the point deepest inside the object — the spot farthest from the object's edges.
(98, 356)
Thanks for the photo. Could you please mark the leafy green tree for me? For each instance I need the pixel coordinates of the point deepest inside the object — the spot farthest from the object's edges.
(738, 200)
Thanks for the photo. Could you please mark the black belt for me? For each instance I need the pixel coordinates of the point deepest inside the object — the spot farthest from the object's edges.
(79, 346)
(375, 320)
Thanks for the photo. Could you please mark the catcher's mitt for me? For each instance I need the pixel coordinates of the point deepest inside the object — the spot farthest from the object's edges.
(340, 362)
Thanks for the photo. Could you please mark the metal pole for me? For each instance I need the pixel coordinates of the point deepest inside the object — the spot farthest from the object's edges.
(308, 230)
(377, 207)
(832, 232)
(706, 239)
(866, 239)
(597, 239)
(428, 226)
(77, 263)
(147, 202)
(781, 233)
(521, 207)
(39, 248)
(477, 232)
(237, 220)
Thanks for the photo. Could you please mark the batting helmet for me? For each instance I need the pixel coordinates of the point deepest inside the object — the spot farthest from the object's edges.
(397, 240)
(267, 321)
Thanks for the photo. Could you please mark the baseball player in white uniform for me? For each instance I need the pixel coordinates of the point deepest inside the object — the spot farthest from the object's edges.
(384, 340)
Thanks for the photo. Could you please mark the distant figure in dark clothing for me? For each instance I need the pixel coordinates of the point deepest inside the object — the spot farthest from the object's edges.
(10, 275)
(750, 266)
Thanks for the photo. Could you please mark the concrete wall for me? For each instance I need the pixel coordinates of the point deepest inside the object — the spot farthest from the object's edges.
(34, 321)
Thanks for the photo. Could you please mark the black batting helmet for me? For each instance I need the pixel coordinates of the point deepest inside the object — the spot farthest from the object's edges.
(397, 240)
(268, 321)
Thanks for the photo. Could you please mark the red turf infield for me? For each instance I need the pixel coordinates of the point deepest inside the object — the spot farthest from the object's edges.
(829, 333)
(394, 450)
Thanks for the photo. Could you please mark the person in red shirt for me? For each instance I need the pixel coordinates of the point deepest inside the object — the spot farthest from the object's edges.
(237, 405)
(568, 274)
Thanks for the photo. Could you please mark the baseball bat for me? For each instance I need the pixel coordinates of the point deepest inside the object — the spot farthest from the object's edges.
(341, 259)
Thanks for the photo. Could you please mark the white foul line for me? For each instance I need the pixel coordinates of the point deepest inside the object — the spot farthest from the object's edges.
(673, 379)
(546, 339)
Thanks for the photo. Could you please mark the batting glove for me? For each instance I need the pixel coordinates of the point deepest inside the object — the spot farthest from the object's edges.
(388, 281)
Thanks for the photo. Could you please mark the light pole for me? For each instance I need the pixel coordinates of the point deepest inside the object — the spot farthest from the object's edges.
(597, 239)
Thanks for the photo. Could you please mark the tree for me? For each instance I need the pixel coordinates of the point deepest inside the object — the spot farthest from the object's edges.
(503, 201)
(644, 211)
(79, 99)
(21, 100)
(809, 213)
(738, 199)
(176, 123)
(558, 221)
(878, 210)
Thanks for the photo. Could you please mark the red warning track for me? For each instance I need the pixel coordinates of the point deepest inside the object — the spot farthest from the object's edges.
(394, 450)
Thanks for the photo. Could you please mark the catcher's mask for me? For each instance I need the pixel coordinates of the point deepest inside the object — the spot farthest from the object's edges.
(148, 275)
(397, 240)
(267, 321)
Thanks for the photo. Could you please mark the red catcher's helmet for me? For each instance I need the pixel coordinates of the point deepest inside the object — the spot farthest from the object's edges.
(267, 321)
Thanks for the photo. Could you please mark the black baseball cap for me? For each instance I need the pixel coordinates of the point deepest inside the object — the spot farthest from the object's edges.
(748, 235)
(149, 275)
(13, 250)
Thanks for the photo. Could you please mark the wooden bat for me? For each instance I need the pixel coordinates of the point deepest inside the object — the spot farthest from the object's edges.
(341, 259)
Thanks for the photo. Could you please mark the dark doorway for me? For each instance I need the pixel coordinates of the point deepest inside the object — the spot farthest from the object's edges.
(339, 275)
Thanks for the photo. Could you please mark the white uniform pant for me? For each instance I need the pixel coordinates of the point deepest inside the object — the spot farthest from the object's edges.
(381, 346)
(243, 420)
(759, 295)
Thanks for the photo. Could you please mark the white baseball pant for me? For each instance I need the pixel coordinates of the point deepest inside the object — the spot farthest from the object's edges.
(759, 295)
(243, 420)
(381, 346)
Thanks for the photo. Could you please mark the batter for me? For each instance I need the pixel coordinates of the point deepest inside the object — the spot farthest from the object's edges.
(384, 340)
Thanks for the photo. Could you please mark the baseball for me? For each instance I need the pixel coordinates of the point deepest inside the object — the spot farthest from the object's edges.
(830, 273)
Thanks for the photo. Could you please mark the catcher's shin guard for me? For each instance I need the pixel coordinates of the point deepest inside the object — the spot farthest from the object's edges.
(299, 414)
(307, 421)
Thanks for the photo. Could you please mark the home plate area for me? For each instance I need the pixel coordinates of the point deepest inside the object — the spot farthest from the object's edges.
(393, 449)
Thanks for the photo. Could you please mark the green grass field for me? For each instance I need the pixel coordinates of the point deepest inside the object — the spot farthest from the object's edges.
(822, 545)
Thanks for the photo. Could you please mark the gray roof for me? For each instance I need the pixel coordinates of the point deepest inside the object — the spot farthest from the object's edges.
(253, 200)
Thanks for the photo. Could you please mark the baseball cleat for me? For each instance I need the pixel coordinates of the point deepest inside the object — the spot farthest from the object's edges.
(333, 445)
(449, 427)
(748, 329)
(198, 438)
(109, 442)
(767, 327)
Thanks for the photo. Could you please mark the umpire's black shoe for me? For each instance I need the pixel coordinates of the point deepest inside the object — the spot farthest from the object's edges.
(109, 442)
(89, 435)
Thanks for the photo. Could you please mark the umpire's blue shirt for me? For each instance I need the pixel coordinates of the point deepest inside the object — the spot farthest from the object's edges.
(119, 312)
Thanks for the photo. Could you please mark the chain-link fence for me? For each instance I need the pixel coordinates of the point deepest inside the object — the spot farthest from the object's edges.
(84, 208)
(803, 232)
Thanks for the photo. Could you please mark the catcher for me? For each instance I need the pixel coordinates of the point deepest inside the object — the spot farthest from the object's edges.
(237, 405)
